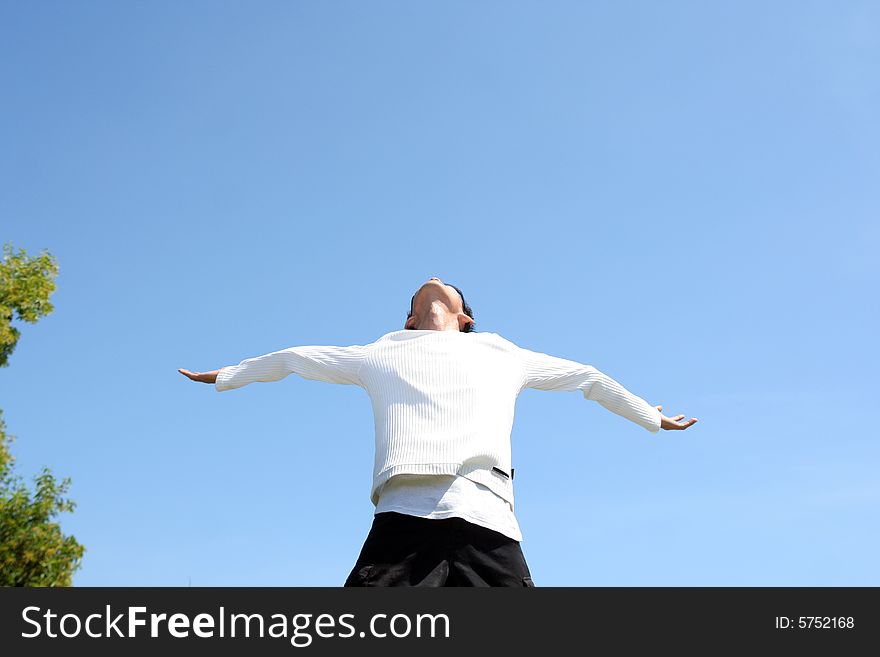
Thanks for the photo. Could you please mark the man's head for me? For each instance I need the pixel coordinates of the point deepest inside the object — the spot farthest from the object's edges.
(439, 306)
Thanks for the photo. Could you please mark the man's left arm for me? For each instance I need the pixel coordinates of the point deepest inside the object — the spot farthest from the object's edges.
(546, 372)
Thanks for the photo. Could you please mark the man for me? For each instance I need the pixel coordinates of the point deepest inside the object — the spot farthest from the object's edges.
(443, 401)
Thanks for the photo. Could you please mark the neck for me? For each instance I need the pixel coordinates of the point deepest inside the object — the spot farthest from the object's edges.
(438, 318)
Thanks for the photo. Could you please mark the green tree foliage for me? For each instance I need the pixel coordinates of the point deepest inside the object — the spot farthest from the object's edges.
(33, 550)
(25, 285)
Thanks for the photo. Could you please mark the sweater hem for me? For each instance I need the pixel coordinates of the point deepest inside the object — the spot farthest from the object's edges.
(481, 474)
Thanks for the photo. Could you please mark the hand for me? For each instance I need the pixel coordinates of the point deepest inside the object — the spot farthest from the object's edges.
(201, 377)
(674, 422)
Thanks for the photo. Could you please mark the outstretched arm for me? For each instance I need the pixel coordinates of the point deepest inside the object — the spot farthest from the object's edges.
(322, 363)
(546, 372)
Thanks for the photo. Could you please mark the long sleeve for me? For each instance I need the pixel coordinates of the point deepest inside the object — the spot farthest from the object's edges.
(546, 372)
(322, 363)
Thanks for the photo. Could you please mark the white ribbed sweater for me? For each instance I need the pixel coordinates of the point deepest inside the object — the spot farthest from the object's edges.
(443, 401)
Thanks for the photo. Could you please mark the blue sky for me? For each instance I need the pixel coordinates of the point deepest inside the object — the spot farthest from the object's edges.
(683, 195)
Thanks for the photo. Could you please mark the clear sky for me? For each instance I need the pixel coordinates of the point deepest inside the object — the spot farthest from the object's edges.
(682, 194)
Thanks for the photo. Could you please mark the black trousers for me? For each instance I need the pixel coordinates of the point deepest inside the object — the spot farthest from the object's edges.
(403, 550)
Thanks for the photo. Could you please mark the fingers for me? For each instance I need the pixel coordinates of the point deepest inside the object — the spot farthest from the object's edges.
(191, 375)
(676, 423)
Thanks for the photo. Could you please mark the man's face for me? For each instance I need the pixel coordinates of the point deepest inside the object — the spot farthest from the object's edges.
(434, 295)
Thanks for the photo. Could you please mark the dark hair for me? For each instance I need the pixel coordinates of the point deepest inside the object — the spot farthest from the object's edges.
(469, 327)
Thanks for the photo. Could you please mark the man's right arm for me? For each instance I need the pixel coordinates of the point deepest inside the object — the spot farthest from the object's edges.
(321, 363)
